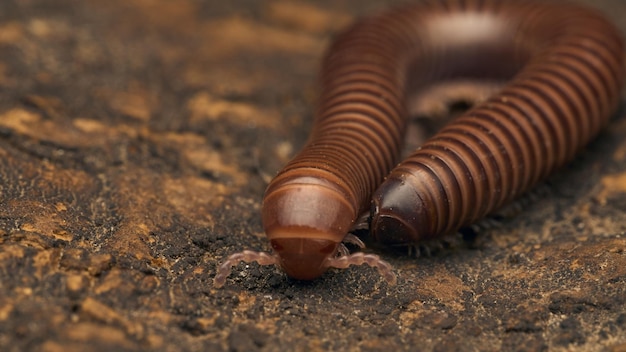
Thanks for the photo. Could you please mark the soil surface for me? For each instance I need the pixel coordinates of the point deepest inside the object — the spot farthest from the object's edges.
(136, 140)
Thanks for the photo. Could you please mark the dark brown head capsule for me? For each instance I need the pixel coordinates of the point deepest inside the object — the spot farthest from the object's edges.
(305, 220)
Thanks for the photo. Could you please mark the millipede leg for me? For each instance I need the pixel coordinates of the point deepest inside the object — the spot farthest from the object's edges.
(225, 269)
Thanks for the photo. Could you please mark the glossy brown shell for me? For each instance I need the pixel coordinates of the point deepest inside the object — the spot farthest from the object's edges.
(565, 69)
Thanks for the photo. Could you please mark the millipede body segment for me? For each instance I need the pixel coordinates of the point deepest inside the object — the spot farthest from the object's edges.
(564, 67)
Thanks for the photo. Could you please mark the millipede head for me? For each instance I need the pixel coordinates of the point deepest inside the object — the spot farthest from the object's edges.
(396, 212)
(304, 259)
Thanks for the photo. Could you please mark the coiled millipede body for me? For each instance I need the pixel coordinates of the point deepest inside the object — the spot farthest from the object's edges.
(564, 67)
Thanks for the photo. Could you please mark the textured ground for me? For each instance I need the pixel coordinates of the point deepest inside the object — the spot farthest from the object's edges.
(136, 137)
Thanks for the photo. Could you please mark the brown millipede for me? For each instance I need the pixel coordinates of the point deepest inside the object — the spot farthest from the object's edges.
(565, 69)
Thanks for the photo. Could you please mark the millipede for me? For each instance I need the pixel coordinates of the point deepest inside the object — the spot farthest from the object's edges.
(563, 68)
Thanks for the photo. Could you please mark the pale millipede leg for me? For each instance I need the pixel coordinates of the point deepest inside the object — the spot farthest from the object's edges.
(385, 269)
(225, 269)
(342, 250)
(353, 239)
